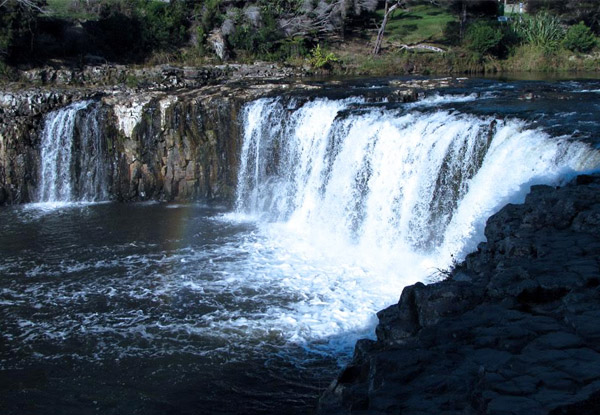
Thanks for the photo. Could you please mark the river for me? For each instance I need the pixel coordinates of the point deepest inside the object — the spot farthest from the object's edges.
(251, 308)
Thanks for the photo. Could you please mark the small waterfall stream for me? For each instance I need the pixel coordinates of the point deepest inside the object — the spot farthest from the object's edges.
(73, 166)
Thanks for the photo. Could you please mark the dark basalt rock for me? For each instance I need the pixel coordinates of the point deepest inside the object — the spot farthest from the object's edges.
(514, 330)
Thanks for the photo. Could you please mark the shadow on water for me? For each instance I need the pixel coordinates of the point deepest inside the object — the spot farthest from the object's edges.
(173, 385)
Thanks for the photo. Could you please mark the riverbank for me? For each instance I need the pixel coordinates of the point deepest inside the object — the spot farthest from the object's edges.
(177, 76)
(355, 58)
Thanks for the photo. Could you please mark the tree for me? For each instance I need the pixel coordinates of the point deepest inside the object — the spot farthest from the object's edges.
(27, 4)
(466, 9)
(387, 12)
(18, 19)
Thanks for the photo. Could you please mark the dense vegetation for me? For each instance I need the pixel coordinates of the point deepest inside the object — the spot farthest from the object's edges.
(465, 34)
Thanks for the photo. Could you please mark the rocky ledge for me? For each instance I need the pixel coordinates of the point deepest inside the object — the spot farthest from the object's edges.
(515, 329)
(171, 143)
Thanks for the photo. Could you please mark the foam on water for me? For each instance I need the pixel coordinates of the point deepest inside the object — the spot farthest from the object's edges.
(439, 99)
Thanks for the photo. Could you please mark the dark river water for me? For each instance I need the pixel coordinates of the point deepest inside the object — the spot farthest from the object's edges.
(145, 309)
(159, 308)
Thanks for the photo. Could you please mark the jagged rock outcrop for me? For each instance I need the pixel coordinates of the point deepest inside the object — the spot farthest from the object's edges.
(176, 146)
(514, 330)
(153, 78)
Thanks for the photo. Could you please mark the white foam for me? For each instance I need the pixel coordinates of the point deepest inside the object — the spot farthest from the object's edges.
(353, 208)
(439, 99)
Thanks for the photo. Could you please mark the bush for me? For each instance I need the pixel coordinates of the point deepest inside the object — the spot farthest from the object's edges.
(209, 17)
(164, 24)
(579, 38)
(484, 38)
(321, 59)
(451, 33)
(17, 27)
(543, 30)
(264, 39)
(152, 26)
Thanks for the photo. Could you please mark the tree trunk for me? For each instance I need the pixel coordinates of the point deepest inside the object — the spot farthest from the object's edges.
(463, 19)
(387, 13)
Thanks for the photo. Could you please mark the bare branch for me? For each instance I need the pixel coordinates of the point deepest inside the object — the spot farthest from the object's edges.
(29, 4)
(388, 12)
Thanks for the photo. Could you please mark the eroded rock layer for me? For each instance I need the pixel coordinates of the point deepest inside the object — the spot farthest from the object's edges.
(513, 330)
(160, 145)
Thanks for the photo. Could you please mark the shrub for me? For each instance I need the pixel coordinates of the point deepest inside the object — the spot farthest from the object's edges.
(209, 17)
(17, 27)
(164, 25)
(579, 38)
(264, 39)
(484, 38)
(321, 59)
(543, 30)
(451, 33)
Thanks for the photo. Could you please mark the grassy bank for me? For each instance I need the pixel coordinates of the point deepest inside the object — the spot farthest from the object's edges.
(355, 59)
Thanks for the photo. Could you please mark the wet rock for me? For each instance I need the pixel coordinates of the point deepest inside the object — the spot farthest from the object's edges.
(180, 144)
(519, 335)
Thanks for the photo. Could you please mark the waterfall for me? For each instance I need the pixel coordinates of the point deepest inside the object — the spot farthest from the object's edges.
(412, 185)
(73, 166)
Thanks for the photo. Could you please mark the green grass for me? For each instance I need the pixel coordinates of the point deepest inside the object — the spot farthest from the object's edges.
(421, 23)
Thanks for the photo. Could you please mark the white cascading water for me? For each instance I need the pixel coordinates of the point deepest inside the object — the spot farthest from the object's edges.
(68, 175)
(396, 194)
(93, 171)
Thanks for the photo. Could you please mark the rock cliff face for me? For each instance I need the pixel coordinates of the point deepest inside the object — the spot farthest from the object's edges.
(176, 137)
(21, 114)
(174, 146)
(162, 145)
(514, 330)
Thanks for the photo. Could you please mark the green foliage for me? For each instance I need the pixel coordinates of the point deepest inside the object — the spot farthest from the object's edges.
(73, 9)
(132, 81)
(281, 7)
(487, 37)
(543, 30)
(134, 29)
(579, 38)
(473, 8)
(570, 11)
(209, 17)
(483, 38)
(451, 33)
(17, 26)
(321, 59)
(265, 40)
(164, 25)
